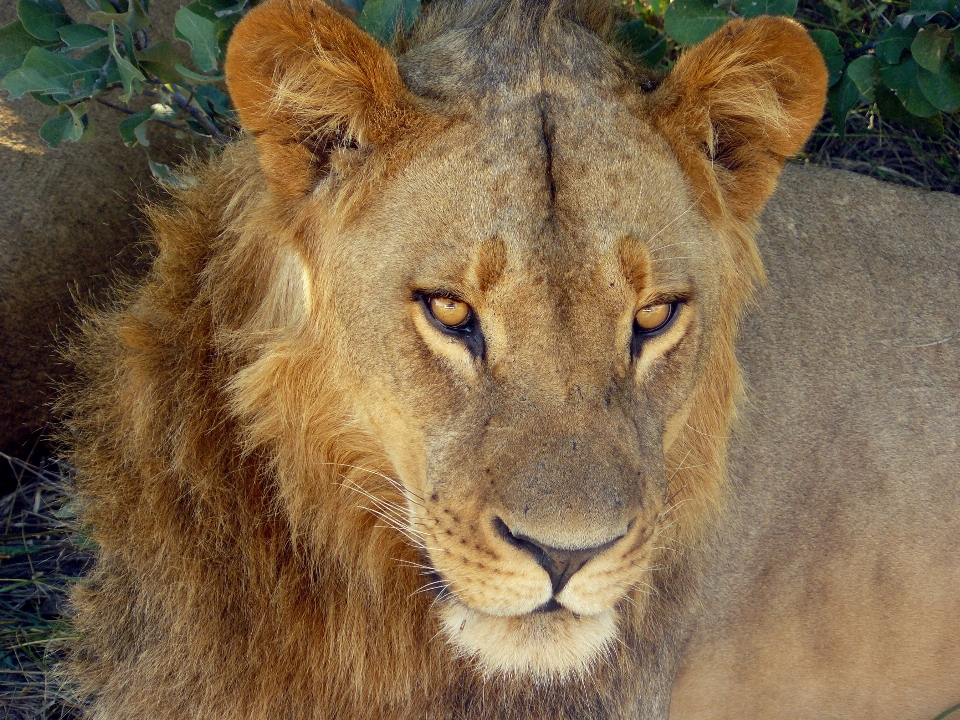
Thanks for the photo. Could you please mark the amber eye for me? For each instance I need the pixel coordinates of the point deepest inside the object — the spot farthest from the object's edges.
(449, 312)
(653, 317)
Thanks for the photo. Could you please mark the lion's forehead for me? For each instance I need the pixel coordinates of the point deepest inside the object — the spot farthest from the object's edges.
(560, 180)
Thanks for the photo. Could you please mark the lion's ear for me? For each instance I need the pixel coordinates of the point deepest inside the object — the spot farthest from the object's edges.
(305, 80)
(737, 105)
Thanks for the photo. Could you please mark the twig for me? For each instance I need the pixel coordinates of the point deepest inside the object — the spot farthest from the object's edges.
(862, 50)
(201, 117)
(128, 111)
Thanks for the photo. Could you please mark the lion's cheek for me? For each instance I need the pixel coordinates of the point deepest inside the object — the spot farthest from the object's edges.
(596, 589)
(487, 581)
(395, 431)
(676, 423)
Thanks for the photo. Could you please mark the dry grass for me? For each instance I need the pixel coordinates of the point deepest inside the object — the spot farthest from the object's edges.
(40, 555)
(883, 150)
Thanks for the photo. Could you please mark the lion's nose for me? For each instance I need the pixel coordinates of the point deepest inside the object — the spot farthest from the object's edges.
(560, 564)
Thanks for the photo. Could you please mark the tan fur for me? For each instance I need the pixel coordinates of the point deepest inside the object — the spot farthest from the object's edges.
(296, 480)
(833, 588)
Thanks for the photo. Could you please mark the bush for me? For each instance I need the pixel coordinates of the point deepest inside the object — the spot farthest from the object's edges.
(893, 60)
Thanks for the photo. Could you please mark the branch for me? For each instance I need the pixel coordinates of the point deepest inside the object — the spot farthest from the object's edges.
(169, 124)
(197, 114)
(862, 50)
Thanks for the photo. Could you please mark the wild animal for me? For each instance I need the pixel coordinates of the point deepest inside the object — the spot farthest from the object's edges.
(422, 411)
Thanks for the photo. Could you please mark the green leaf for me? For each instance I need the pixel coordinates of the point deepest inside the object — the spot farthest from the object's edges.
(168, 177)
(893, 42)
(690, 21)
(130, 76)
(196, 77)
(383, 18)
(201, 33)
(225, 8)
(135, 18)
(892, 109)
(841, 99)
(863, 72)
(45, 99)
(15, 42)
(213, 102)
(133, 129)
(829, 45)
(645, 42)
(48, 72)
(43, 18)
(947, 712)
(203, 9)
(82, 36)
(929, 47)
(70, 124)
(753, 8)
(102, 61)
(659, 7)
(941, 89)
(952, 7)
(161, 59)
(902, 79)
(57, 129)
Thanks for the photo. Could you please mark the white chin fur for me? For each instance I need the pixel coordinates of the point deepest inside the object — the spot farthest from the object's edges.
(546, 645)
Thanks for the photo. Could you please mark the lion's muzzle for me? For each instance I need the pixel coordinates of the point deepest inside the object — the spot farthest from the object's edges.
(560, 564)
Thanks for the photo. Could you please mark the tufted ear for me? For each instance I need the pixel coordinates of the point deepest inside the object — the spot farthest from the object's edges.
(307, 81)
(737, 105)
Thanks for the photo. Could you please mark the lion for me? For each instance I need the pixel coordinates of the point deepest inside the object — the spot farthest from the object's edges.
(422, 411)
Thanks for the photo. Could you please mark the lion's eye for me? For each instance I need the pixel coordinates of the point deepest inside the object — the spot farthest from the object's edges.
(449, 312)
(653, 317)
(651, 321)
(454, 318)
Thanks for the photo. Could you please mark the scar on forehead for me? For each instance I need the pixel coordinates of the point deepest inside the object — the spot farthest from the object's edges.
(634, 263)
(488, 262)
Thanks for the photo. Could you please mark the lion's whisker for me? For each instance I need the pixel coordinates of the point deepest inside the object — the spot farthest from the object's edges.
(402, 561)
(392, 525)
(429, 587)
(664, 228)
(679, 242)
(392, 481)
(679, 466)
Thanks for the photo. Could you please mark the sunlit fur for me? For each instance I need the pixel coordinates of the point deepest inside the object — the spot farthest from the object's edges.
(267, 504)
(544, 645)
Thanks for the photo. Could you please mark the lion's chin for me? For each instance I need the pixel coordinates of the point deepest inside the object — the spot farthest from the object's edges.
(551, 645)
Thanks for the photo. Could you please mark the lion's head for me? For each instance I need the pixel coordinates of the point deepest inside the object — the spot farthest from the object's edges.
(523, 262)
(434, 372)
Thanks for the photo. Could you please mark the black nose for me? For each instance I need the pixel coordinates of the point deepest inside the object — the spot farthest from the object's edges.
(559, 564)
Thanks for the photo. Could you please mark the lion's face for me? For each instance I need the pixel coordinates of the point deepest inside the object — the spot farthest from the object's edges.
(531, 440)
(527, 294)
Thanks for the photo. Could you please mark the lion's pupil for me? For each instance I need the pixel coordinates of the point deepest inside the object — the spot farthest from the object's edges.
(652, 317)
(448, 311)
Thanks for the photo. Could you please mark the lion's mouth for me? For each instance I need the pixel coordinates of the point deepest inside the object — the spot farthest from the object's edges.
(438, 588)
(539, 581)
(549, 606)
(548, 642)
(551, 642)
